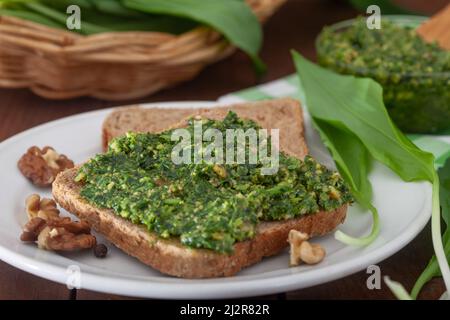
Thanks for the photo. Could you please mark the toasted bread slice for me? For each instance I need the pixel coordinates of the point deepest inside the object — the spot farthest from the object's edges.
(173, 258)
(169, 256)
(284, 114)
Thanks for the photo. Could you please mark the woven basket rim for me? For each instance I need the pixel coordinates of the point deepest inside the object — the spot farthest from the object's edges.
(57, 63)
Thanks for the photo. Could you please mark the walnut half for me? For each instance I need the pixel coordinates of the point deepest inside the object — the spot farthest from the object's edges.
(58, 234)
(51, 231)
(42, 166)
(32, 229)
(60, 239)
(303, 251)
(43, 208)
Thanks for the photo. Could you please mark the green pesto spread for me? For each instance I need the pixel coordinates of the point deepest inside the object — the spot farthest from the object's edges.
(206, 205)
(415, 75)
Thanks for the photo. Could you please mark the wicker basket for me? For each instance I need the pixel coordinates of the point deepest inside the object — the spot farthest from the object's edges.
(58, 64)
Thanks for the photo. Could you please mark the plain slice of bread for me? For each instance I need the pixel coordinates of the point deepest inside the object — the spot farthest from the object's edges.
(284, 114)
(169, 256)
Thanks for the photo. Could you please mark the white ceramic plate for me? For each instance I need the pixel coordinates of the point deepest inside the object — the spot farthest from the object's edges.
(404, 209)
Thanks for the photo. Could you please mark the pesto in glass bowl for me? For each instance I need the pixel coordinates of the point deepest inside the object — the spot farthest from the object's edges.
(415, 75)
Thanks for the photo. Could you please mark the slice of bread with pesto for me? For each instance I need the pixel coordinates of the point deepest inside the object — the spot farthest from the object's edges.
(234, 223)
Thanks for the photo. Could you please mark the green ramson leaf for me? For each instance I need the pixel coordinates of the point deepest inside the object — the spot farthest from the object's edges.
(63, 4)
(356, 104)
(31, 16)
(432, 269)
(115, 8)
(106, 15)
(353, 160)
(147, 22)
(234, 19)
(61, 17)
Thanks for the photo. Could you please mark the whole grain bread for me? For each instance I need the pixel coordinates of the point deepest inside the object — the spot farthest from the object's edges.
(169, 256)
(284, 114)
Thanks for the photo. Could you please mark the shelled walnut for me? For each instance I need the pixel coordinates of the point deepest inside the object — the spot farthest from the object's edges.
(53, 232)
(42, 166)
(303, 251)
(60, 239)
(32, 229)
(43, 208)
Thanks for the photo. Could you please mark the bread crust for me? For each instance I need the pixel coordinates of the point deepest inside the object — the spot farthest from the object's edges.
(171, 257)
(285, 114)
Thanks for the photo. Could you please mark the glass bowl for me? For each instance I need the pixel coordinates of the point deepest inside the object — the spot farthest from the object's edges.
(417, 102)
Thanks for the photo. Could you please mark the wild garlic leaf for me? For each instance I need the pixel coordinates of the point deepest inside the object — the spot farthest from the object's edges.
(63, 4)
(353, 162)
(31, 16)
(356, 104)
(351, 158)
(432, 269)
(61, 17)
(115, 8)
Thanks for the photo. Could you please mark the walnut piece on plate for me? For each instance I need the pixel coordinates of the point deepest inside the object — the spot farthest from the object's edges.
(303, 251)
(60, 239)
(42, 166)
(43, 208)
(52, 232)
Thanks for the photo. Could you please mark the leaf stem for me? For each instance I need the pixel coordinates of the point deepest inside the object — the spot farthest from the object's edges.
(397, 289)
(436, 233)
(363, 241)
(426, 276)
(432, 269)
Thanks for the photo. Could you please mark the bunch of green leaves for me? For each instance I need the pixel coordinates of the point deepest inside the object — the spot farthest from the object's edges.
(232, 18)
(353, 123)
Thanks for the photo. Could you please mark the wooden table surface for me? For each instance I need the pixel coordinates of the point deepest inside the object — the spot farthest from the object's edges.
(294, 26)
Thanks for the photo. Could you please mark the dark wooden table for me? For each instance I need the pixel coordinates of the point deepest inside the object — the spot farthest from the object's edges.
(294, 26)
